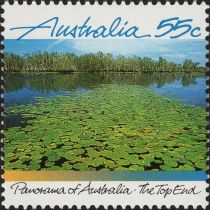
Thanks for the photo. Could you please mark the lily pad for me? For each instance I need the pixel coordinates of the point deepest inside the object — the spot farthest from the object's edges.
(111, 127)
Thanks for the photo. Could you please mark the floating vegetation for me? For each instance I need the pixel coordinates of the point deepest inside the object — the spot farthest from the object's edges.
(112, 127)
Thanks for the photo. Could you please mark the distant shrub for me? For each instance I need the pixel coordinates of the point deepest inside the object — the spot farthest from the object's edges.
(99, 62)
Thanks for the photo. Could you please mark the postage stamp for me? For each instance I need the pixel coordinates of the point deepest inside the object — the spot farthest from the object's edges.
(105, 104)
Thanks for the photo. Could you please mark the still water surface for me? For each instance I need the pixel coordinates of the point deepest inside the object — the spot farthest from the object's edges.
(24, 88)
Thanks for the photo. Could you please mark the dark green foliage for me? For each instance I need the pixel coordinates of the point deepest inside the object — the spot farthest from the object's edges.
(99, 62)
(112, 127)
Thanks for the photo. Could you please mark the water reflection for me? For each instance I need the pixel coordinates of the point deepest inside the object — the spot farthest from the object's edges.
(23, 88)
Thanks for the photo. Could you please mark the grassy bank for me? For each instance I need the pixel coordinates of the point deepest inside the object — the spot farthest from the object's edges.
(112, 127)
(99, 62)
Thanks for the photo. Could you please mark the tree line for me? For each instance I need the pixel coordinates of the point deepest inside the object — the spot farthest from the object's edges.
(98, 62)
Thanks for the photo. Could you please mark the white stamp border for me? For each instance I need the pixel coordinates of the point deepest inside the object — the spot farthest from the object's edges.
(109, 2)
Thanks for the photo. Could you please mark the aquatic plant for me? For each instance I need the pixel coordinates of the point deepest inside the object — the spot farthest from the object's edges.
(112, 127)
(99, 62)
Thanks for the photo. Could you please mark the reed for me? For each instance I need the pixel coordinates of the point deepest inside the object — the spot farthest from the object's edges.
(99, 62)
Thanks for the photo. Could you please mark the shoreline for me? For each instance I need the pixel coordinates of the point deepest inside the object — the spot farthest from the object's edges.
(102, 72)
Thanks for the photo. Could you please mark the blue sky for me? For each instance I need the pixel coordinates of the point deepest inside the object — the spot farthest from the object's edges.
(173, 50)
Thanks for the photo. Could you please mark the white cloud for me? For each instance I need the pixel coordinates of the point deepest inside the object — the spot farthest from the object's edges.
(124, 47)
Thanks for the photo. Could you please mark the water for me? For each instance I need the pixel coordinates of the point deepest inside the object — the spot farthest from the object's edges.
(24, 88)
(173, 50)
(193, 94)
(187, 88)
